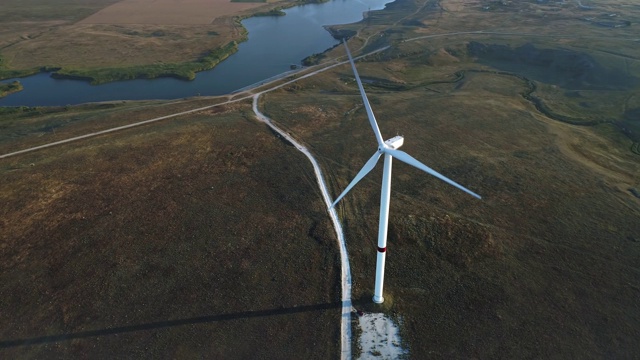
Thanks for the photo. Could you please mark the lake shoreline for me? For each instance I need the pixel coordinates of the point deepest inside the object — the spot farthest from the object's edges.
(104, 75)
(271, 46)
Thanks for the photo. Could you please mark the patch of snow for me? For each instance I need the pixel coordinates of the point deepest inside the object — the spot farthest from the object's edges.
(380, 338)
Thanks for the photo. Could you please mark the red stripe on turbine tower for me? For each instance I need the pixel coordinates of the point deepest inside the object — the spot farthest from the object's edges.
(390, 150)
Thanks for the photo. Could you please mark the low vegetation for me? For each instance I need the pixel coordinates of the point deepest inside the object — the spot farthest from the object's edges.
(552, 153)
(147, 248)
(9, 74)
(313, 59)
(274, 12)
(9, 88)
(137, 243)
(37, 38)
(500, 272)
(68, 11)
(184, 71)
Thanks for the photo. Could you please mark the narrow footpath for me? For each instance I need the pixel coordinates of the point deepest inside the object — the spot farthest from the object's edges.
(345, 326)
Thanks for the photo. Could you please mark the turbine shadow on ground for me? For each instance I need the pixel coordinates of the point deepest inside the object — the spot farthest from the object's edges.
(167, 324)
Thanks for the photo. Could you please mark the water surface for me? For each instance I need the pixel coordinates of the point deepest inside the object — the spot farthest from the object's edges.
(275, 43)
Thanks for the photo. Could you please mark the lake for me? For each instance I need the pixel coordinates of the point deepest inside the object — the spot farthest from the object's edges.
(274, 44)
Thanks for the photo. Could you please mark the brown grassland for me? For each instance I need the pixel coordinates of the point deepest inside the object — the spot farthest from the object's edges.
(547, 264)
(167, 12)
(206, 235)
(167, 241)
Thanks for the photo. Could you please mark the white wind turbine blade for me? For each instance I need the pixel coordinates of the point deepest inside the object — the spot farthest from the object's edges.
(408, 159)
(367, 106)
(364, 171)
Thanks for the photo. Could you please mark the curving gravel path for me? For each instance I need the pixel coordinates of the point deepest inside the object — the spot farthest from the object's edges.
(345, 327)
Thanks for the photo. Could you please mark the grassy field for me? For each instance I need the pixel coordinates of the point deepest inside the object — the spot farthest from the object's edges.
(67, 11)
(155, 240)
(546, 265)
(543, 266)
(138, 244)
(184, 71)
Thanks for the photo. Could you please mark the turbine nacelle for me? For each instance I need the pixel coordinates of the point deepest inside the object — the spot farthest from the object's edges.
(389, 149)
(395, 142)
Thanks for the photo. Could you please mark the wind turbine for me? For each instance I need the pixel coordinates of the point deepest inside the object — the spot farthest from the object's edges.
(389, 149)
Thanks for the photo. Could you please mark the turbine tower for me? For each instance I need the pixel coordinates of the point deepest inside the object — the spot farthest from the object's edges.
(389, 149)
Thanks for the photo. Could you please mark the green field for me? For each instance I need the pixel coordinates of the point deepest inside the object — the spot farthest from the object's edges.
(184, 71)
